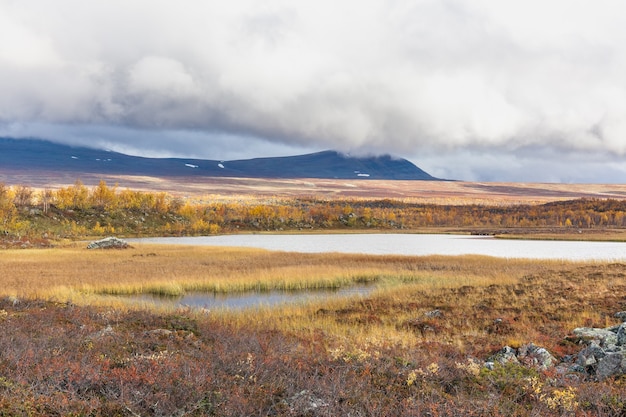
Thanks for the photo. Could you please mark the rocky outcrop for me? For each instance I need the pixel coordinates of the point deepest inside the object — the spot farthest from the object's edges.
(528, 355)
(108, 243)
(603, 354)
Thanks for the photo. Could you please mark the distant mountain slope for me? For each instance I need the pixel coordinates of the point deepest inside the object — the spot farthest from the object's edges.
(40, 155)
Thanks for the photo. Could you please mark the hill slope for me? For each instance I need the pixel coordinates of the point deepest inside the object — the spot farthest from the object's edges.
(39, 155)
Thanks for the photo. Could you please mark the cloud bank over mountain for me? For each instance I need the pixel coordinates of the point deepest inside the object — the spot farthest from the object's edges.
(437, 80)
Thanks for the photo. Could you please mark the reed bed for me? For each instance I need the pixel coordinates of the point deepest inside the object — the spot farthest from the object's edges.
(520, 292)
(482, 301)
(71, 272)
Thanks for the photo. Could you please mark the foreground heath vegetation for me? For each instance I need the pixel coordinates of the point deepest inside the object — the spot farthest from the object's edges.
(416, 346)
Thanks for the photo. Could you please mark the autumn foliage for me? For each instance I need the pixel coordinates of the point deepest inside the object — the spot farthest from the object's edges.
(79, 211)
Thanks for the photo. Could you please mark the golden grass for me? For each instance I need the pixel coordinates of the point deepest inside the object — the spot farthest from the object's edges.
(511, 303)
(533, 298)
(174, 270)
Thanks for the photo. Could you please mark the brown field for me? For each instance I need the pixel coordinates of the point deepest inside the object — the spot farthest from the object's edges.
(445, 192)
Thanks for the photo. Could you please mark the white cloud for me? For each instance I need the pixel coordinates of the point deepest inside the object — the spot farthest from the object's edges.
(393, 76)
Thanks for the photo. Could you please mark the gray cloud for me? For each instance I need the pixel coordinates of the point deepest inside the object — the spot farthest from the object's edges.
(411, 78)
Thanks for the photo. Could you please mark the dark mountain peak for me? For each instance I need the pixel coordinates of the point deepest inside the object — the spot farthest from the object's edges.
(36, 154)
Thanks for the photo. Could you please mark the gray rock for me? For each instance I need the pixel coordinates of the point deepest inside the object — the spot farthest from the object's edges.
(605, 352)
(536, 356)
(506, 355)
(305, 403)
(611, 365)
(108, 243)
(590, 355)
(434, 314)
(604, 337)
(621, 335)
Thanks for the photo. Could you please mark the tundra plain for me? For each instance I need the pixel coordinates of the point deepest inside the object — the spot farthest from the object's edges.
(415, 346)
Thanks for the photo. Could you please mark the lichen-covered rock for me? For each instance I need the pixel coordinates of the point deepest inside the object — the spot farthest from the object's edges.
(506, 355)
(604, 337)
(536, 357)
(589, 356)
(434, 314)
(108, 243)
(611, 365)
(602, 354)
(621, 335)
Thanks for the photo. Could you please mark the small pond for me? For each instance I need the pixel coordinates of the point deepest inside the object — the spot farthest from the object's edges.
(252, 299)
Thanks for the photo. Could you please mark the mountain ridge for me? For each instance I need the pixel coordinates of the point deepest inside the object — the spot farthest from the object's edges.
(43, 155)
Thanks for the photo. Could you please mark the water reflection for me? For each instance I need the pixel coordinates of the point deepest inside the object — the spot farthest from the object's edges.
(240, 301)
(413, 245)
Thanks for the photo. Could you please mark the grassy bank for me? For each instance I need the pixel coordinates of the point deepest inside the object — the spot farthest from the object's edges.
(74, 352)
(72, 273)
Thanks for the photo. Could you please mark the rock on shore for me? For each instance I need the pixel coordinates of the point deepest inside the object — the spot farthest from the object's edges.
(108, 243)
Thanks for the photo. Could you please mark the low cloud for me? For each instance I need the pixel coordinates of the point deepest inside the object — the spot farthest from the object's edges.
(375, 76)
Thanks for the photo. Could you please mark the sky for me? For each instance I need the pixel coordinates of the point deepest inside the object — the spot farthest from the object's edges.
(476, 90)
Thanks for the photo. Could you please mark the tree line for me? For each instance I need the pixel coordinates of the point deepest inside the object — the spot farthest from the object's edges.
(78, 211)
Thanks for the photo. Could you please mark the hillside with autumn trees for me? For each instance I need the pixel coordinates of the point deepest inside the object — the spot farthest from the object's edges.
(79, 211)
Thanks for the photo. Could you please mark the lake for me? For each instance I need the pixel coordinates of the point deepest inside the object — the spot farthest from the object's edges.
(373, 244)
(411, 244)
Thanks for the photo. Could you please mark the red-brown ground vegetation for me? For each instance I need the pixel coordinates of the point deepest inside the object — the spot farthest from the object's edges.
(63, 359)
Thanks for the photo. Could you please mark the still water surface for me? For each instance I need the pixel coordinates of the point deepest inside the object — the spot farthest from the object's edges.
(240, 301)
(413, 244)
(374, 244)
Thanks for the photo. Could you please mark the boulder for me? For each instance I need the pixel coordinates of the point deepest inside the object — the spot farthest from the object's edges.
(602, 354)
(590, 356)
(536, 357)
(612, 364)
(621, 335)
(108, 243)
(506, 355)
(528, 355)
(603, 337)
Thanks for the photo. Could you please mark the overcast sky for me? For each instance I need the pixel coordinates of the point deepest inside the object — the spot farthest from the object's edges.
(486, 90)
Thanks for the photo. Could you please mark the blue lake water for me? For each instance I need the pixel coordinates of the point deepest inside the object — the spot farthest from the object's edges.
(412, 244)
